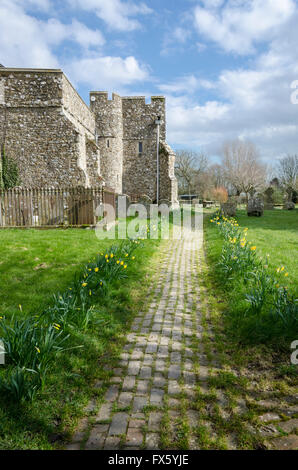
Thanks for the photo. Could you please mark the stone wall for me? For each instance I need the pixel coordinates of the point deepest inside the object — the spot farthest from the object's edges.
(109, 127)
(140, 169)
(47, 129)
(57, 140)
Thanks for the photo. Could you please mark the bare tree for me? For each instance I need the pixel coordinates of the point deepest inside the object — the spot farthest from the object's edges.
(242, 166)
(189, 168)
(288, 171)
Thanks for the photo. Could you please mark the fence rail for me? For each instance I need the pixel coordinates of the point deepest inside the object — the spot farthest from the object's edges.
(43, 207)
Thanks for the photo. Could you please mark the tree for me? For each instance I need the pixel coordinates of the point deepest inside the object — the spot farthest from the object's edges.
(220, 194)
(243, 169)
(189, 168)
(288, 172)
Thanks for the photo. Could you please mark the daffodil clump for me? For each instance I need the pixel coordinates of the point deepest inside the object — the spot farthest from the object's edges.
(32, 345)
(265, 307)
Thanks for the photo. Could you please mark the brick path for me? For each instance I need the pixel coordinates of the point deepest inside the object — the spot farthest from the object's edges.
(157, 362)
(150, 402)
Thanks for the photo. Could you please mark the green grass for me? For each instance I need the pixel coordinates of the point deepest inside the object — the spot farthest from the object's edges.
(35, 264)
(276, 233)
(48, 422)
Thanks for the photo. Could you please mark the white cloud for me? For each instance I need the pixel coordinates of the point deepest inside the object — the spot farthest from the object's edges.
(240, 24)
(26, 41)
(117, 14)
(22, 39)
(108, 73)
(56, 32)
(187, 84)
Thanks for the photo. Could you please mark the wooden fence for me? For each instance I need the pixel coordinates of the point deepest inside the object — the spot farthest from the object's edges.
(40, 207)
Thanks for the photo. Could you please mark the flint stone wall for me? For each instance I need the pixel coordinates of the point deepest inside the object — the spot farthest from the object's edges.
(47, 129)
(56, 139)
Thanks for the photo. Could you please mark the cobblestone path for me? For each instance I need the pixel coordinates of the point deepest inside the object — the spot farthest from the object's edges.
(151, 402)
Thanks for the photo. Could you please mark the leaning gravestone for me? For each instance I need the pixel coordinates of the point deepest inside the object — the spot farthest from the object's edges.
(255, 206)
(269, 202)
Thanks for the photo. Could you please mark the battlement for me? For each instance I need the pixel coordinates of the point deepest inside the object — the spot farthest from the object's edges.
(56, 137)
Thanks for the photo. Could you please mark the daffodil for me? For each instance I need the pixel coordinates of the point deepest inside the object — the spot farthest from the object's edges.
(84, 284)
(253, 248)
(96, 270)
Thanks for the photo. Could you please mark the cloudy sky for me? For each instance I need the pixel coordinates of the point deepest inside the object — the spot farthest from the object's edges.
(226, 67)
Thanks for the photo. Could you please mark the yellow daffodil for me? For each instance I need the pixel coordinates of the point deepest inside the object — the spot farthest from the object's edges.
(96, 270)
(125, 266)
(112, 255)
(122, 263)
(84, 284)
(286, 274)
(253, 248)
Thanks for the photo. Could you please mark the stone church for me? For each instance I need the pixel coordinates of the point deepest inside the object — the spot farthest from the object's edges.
(58, 141)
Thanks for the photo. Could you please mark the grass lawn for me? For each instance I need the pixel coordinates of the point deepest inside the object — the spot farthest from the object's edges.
(34, 266)
(276, 234)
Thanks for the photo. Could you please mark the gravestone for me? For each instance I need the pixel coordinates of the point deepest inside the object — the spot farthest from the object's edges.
(255, 206)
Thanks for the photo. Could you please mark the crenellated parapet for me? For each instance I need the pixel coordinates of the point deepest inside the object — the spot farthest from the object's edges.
(57, 140)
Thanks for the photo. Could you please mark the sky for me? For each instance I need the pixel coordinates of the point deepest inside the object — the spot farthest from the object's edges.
(225, 66)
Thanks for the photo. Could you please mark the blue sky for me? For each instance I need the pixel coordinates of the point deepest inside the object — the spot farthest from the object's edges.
(225, 66)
